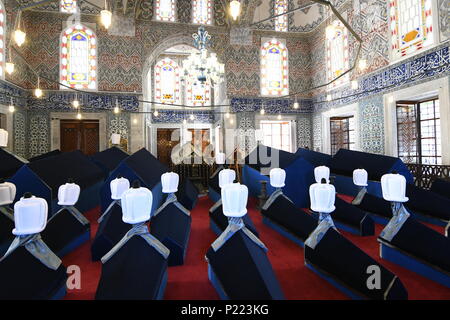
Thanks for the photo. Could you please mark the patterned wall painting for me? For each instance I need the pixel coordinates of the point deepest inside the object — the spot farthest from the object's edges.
(121, 59)
(304, 131)
(245, 138)
(317, 132)
(444, 19)
(372, 125)
(120, 124)
(20, 133)
(38, 136)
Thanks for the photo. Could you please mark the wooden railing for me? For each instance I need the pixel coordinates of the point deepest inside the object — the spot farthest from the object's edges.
(199, 173)
(425, 174)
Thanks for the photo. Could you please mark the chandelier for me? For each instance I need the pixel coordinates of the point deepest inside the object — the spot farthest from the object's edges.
(202, 66)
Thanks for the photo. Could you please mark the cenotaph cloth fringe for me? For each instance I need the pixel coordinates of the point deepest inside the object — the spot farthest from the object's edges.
(220, 167)
(360, 196)
(108, 209)
(216, 205)
(325, 223)
(234, 225)
(277, 193)
(139, 229)
(34, 245)
(172, 198)
(7, 211)
(74, 212)
(396, 222)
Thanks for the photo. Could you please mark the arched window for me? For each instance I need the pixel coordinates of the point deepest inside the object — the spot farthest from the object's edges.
(2, 39)
(337, 53)
(78, 65)
(202, 11)
(165, 10)
(167, 81)
(281, 22)
(411, 24)
(198, 94)
(68, 6)
(274, 69)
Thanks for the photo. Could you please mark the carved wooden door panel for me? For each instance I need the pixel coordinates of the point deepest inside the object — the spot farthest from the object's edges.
(79, 135)
(165, 145)
(90, 137)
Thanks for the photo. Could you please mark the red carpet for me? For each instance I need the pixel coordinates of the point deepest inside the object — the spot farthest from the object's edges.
(190, 281)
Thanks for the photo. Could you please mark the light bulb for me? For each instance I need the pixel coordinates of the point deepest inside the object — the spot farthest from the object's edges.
(231, 121)
(38, 92)
(279, 117)
(75, 104)
(19, 37)
(227, 115)
(155, 113)
(328, 97)
(235, 9)
(9, 67)
(12, 108)
(262, 111)
(330, 31)
(296, 105)
(106, 18)
(79, 116)
(116, 110)
(362, 64)
(354, 84)
(191, 117)
(135, 120)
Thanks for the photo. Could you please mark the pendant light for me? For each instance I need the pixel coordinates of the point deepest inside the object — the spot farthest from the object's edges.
(106, 16)
(19, 35)
(235, 9)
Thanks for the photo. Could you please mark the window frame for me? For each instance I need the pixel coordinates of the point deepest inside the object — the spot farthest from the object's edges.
(273, 123)
(177, 79)
(72, 11)
(158, 18)
(284, 54)
(394, 58)
(93, 59)
(284, 17)
(209, 20)
(350, 143)
(346, 56)
(418, 131)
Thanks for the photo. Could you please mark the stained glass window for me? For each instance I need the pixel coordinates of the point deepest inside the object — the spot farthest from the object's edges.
(68, 6)
(274, 69)
(281, 22)
(337, 53)
(78, 65)
(411, 25)
(198, 94)
(167, 81)
(342, 133)
(202, 11)
(165, 10)
(2, 39)
(277, 134)
(419, 132)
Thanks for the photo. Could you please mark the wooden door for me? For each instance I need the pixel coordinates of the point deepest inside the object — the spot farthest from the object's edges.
(80, 135)
(165, 145)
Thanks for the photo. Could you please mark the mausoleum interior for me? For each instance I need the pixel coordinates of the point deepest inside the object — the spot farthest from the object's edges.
(224, 149)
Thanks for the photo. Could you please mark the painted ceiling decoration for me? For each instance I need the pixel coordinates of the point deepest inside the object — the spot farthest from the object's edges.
(302, 20)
